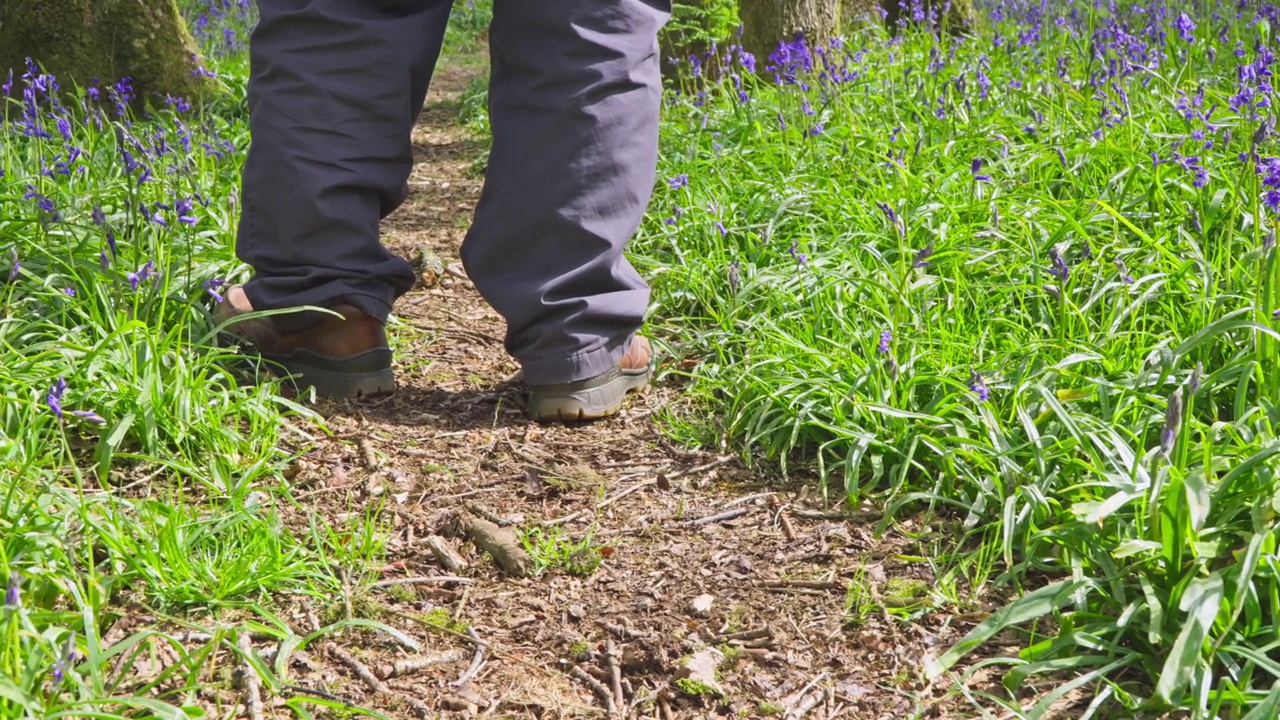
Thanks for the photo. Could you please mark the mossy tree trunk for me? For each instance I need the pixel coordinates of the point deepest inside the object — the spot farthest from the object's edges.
(80, 41)
(766, 23)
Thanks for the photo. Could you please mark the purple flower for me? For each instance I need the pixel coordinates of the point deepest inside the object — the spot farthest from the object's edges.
(720, 226)
(89, 416)
(1124, 273)
(1185, 27)
(817, 129)
(70, 291)
(800, 257)
(922, 256)
(14, 265)
(886, 337)
(975, 168)
(979, 386)
(99, 218)
(12, 594)
(54, 398)
(1059, 268)
(184, 207)
(678, 181)
(65, 659)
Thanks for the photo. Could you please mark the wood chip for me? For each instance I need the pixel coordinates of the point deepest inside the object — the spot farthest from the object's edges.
(445, 554)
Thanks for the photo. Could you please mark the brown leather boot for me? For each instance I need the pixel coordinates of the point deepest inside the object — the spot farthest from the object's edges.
(597, 397)
(340, 357)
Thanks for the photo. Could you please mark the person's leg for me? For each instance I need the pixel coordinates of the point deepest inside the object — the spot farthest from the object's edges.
(335, 88)
(574, 102)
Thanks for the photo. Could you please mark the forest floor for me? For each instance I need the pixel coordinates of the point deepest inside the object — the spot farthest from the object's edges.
(714, 591)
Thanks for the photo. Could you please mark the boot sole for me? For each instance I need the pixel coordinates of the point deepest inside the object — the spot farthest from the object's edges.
(365, 375)
(586, 400)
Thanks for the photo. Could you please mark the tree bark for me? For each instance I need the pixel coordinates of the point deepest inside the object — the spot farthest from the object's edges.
(82, 41)
(766, 23)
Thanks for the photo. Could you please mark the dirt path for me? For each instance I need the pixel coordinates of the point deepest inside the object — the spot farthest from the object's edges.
(701, 560)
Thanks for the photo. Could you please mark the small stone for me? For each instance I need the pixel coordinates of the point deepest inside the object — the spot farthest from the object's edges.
(701, 606)
(697, 673)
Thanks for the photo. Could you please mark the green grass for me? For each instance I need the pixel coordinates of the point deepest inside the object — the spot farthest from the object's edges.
(139, 472)
(863, 306)
(1101, 446)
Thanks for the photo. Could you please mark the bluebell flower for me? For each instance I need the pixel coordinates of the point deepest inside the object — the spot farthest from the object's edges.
(975, 168)
(979, 386)
(800, 257)
(886, 338)
(54, 398)
(922, 257)
(12, 594)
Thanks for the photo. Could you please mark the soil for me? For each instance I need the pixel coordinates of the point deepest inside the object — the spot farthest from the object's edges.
(680, 584)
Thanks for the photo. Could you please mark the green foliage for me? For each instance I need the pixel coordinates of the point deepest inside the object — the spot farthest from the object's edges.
(137, 465)
(694, 688)
(697, 24)
(554, 548)
(955, 284)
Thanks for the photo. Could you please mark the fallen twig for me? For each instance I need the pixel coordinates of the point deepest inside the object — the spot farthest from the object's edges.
(760, 633)
(360, 669)
(750, 498)
(615, 673)
(787, 528)
(623, 493)
(477, 661)
(413, 665)
(718, 517)
(367, 454)
(484, 512)
(252, 683)
(500, 543)
(800, 703)
(664, 708)
(809, 702)
(425, 580)
(856, 515)
(596, 686)
(623, 631)
(808, 584)
(445, 554)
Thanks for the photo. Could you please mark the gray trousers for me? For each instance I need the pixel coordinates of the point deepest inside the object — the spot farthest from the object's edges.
(575, 91)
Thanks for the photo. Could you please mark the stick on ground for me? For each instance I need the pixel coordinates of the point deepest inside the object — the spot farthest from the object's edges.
(252, 684)
(448, 558)
(501, 544)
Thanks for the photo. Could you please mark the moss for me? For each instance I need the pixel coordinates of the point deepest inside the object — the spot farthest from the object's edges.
(80, 41)
(694, 688)
(442, 618)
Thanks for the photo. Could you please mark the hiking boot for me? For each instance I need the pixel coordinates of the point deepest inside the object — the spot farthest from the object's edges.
(344, 357)
(597, 397)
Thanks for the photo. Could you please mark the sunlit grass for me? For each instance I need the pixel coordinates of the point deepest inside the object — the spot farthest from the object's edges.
(947, 276)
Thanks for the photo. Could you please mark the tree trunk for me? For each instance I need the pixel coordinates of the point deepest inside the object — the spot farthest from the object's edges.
(80, 41)
(767, 23)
